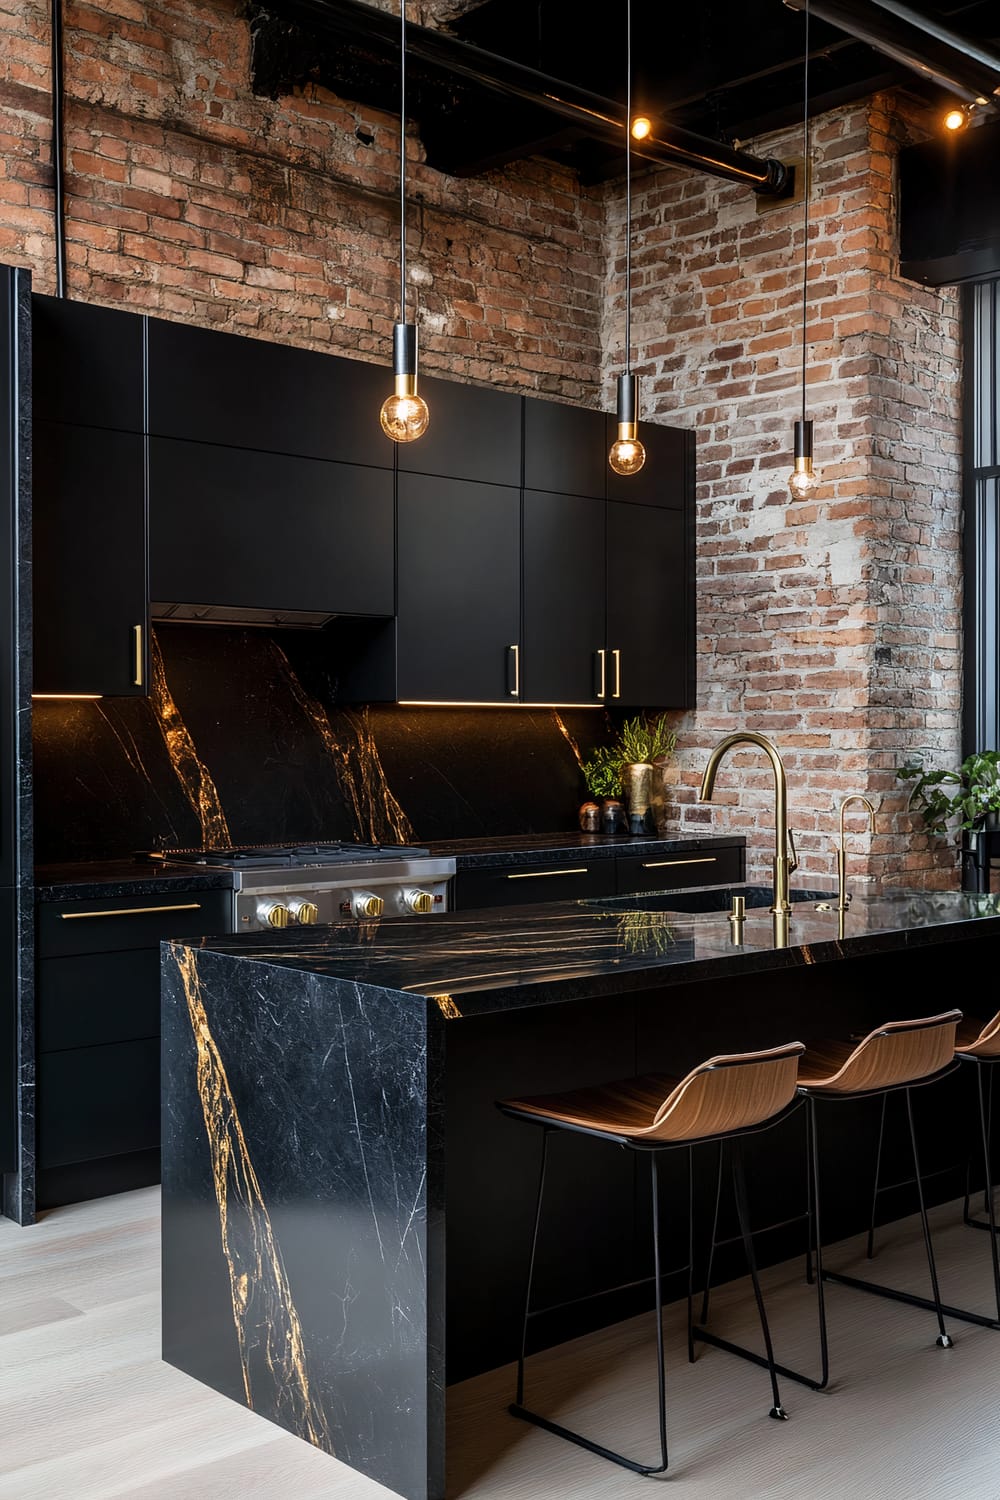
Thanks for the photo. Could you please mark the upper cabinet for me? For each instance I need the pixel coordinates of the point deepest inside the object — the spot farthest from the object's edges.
(565, 448)
(87, 364)
(474, 433)
(666, 478)
(563, 571)
(207, 386)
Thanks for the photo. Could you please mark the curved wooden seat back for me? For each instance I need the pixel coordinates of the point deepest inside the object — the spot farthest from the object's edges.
(897, 1053)
(986, 1044)
(731, 1092)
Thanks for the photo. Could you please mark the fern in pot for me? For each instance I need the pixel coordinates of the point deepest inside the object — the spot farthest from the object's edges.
(627, 767)
(971, 794)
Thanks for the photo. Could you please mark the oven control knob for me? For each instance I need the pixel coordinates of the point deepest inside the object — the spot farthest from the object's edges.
(365, 905)
(273, 914)
(304, 912)
(417, 901)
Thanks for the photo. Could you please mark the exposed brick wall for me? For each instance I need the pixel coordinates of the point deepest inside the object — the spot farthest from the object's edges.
(833, 627)
(190, 197)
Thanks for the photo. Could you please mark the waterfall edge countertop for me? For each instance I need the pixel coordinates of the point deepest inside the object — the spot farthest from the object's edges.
(479, 961)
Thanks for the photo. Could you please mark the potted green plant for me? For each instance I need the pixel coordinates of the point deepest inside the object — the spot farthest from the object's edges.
(971, 794)
(626, 767)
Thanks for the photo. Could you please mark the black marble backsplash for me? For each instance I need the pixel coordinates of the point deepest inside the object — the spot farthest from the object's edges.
(242, 740)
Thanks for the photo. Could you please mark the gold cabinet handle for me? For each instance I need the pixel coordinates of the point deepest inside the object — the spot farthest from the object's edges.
(602, 661)
(128, 911)
(139, 664)
(516, 652)
(662, 864)
(541, 874)
(618, 673)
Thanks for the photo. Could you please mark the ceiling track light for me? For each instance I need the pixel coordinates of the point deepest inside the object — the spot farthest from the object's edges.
(627, 454)
(404, 415)
(804, 478)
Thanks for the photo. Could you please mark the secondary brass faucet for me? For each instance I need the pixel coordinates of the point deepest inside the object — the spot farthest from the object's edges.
(785, 860)
(842, 898)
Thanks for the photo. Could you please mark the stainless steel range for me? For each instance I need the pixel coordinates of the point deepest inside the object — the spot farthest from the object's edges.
(287, 885)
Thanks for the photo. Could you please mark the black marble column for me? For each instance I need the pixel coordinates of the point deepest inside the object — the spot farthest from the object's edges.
(303, 1207)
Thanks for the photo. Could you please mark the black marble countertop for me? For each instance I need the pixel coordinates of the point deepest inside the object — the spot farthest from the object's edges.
(138, 877)
(104, 879)
(567, 848)
(479, 961)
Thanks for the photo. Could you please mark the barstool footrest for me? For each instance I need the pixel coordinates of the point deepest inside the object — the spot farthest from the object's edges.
(582, 1442)
(703, 1335)
(912, 1298)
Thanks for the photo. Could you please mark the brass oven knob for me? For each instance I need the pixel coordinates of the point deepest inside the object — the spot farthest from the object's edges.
(366, 905)
(273, 914)
(304, 912)
(420, 902)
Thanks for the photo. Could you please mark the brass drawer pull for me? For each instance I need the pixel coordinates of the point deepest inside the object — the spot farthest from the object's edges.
(662, 864)
(128, 911)
(541, 874)
(616, 657)
(602, 661)
(137, 678)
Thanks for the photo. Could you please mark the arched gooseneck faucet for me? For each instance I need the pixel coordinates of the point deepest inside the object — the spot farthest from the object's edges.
(785, 860)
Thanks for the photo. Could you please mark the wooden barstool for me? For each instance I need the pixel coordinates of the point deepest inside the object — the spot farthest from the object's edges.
(896, 1057)
(979, 1046)
(722, 1100)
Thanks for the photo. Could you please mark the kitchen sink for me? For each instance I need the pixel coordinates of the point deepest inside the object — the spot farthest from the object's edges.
(707, 900)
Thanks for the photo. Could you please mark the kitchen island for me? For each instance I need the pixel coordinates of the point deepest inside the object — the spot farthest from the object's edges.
(345, 1212)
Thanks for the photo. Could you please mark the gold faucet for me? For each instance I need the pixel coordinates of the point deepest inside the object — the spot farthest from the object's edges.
(785, 860)
(842, 898)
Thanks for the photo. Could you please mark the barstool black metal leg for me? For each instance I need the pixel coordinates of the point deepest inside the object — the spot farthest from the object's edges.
(816, 1223)
(739, 1184)
(715, 1232)
(661, 1382)
(944, 1338)
(870, 1250)
(690, 1309)
(519, 1396)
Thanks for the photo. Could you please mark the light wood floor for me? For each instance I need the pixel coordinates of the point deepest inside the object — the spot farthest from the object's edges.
(89, 1412)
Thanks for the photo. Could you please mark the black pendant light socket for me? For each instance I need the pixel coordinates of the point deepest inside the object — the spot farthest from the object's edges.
(804, 439)
(628, 399)
(404, 349)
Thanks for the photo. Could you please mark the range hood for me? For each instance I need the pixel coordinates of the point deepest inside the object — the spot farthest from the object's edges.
(229, 614)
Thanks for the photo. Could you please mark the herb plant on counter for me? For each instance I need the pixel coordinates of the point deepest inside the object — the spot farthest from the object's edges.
(971, 793)
(640, 740)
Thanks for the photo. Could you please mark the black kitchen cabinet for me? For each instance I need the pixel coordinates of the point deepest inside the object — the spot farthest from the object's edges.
(564, 657)
(502, 886)
(458, 591)
(87, 364)
(681, 868)
(474, 433)
(270, 532)
(89, 531)
(666, 478)
(699, 862)
(650, 662)
(208, 386)
(98, 981)
(565, 448)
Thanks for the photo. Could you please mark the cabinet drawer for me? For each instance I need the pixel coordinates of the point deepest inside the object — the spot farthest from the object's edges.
(89, 999)
(112, 924)
(518, 887)
(671, 872)
(98, 1101)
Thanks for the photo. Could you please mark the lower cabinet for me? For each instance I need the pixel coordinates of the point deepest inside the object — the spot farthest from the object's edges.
(99, 1037)
(619, 875)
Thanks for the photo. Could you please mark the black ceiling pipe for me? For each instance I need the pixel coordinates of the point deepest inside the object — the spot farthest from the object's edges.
(58, 145)
(597, 116)
(938, 56)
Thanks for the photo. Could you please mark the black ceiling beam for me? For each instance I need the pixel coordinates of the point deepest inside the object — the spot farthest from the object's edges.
(594, 115)
(939, 57)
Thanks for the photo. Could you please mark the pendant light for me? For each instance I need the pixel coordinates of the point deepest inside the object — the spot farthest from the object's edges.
(803, 479)
(404, 416)
(627, 454)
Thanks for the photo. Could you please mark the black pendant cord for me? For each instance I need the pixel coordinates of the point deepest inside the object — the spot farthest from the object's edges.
(57, 145)
(402, 161)
(628, 186)
(806, 184)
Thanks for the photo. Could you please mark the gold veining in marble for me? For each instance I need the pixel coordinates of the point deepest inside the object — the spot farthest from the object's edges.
(378, 817)
(192, 773)
(448, 1008)
(264, 1314)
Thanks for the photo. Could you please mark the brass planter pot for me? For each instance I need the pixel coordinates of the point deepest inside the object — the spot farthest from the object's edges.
(637, 780)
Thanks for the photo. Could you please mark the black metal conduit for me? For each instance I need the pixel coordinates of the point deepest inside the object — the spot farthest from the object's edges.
(599, 117)
(57, 145)
(925, 47)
